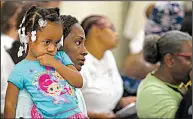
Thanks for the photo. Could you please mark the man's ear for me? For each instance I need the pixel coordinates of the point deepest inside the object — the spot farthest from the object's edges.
(169, 60)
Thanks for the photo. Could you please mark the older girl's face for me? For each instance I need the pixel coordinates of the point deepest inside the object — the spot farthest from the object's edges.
(74, 46)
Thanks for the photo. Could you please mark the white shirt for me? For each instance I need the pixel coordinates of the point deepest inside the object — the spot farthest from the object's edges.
(7, 65)
(103, 86)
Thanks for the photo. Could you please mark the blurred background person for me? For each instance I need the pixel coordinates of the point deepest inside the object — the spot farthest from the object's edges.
(10, 10)
(102, 81)
(187, 21)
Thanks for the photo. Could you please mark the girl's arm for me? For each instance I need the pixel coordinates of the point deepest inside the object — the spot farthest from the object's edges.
(11, 101)
(69, 73)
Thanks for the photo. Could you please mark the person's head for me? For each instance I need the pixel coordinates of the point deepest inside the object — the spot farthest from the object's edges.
(42, 31)
(174, 52)
(73, 40)
(165, 16)
(9, 10)
(100, 29)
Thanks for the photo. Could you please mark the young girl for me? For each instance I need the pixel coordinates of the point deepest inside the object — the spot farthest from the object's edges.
(53, 97)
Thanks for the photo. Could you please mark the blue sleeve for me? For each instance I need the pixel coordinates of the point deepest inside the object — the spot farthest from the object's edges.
(65, 59)
(17, 79)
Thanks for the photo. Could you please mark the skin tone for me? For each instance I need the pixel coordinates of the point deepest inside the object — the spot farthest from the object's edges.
(100, 39)
(170, 72)
(136, 67)
(43, 49)
(74, 46)
(104, 37)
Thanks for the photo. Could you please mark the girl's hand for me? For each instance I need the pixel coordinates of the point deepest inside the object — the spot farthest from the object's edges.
(47, 60)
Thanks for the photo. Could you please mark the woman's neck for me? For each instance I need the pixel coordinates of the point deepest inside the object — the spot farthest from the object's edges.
(165, 76)
(95, 48)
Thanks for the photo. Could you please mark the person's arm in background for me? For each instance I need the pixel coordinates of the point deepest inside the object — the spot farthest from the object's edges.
(11, 101)
(101, 115)
(69, 73)
(124, 101)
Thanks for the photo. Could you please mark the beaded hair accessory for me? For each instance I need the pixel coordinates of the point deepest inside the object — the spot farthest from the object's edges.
(24, 39)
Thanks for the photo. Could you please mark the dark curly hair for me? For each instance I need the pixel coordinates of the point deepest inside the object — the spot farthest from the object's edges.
(67, 22)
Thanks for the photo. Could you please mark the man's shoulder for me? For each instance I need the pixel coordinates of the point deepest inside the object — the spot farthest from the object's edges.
(151, 83)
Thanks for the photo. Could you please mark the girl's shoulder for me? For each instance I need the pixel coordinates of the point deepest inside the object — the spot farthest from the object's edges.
(60, 54)
(64, 58)
(24, 64)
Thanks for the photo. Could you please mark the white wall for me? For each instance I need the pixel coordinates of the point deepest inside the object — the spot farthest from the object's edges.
(113, 9)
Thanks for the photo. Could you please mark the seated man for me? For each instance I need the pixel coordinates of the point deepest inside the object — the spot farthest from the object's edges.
(160, 93)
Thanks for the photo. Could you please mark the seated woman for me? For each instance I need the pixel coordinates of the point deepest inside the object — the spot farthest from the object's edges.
(73, 44)
(160, 93)
(103, 86)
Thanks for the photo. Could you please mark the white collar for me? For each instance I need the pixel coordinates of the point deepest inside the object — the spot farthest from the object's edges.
(6, 41)
(94, 60)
